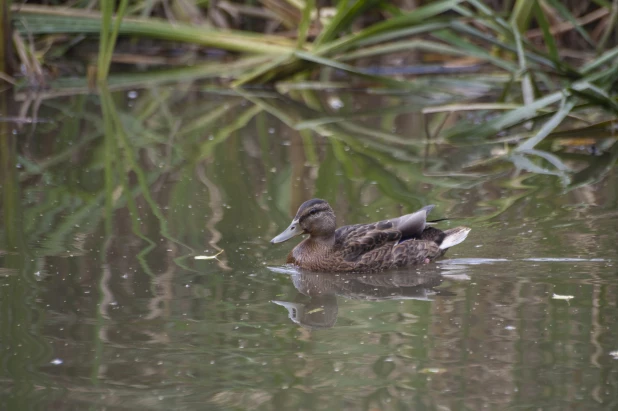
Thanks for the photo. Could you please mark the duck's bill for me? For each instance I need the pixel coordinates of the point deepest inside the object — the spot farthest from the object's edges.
(292, 231)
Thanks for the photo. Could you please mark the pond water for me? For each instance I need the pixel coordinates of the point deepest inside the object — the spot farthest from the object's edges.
(108, 199)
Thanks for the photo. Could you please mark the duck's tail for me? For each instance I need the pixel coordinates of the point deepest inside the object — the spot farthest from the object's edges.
(454, 236)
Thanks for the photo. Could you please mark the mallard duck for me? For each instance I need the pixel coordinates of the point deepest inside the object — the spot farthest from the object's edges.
(396, 243)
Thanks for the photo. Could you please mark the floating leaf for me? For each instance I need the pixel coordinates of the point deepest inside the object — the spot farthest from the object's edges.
(208, 257)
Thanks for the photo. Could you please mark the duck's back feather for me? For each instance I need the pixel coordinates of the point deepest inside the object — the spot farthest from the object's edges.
(359, 239)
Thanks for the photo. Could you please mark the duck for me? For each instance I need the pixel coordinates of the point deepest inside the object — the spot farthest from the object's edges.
(396, 243)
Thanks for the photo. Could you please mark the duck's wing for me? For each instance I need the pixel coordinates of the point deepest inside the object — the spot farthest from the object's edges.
(359, 239)
(356, 240)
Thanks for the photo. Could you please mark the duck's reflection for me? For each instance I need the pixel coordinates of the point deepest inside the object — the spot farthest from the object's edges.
(323, 288)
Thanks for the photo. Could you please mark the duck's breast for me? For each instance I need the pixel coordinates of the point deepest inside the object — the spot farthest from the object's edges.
(313, 255)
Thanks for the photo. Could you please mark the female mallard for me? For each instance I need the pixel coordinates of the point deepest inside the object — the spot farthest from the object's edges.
(399, 242)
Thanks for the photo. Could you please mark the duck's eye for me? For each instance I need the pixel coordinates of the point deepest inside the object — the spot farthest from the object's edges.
(314, 212)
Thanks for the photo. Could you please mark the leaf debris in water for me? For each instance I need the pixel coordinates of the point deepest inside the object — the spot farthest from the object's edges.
(208, 257)
(433, 370)
(562, 297)
(315, 310)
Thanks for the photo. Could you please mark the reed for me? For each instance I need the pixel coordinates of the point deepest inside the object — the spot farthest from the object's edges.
(110, 26)
(5, 39)
(561, 61)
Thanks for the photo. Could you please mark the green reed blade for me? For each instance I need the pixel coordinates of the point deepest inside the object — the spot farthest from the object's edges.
(41, 20)
(565, 108)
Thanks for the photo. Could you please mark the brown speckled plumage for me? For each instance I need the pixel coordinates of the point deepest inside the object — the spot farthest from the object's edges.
(396, 243)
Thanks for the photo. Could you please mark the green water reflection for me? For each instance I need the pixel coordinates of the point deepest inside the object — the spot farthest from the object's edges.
(107, 199)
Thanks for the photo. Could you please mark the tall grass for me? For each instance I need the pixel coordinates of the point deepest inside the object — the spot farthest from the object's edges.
(5, 39)
(469, 28)
(530, 43)
(109, 33)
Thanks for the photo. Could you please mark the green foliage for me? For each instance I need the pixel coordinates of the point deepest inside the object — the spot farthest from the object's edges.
(109, 34)
(340, 38)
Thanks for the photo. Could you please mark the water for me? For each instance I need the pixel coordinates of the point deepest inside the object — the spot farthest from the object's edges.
(107, 200)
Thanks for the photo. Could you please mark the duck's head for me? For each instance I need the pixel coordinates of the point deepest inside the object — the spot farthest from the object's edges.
(314, 217)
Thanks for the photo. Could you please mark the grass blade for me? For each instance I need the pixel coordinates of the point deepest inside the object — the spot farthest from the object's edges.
(421, 15)
(613, 19)
(526, 82)
(404, 32)
(564, 12)
(344, 67)
(506, 120)
(49, 20)
(505, 45)
(405, 45)
(565, 108)
(343, 19)
(107, 40)
(605, 58)
(521, 14)
(305, 23)
(473, 50)
(550, 43)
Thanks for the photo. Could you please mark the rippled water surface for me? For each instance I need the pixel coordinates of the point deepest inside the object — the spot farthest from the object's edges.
(107, 199)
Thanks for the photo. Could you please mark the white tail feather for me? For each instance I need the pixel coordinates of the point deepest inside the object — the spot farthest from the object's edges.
(454, 236)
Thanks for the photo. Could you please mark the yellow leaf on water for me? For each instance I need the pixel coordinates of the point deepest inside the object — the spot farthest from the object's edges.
(315, 310)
